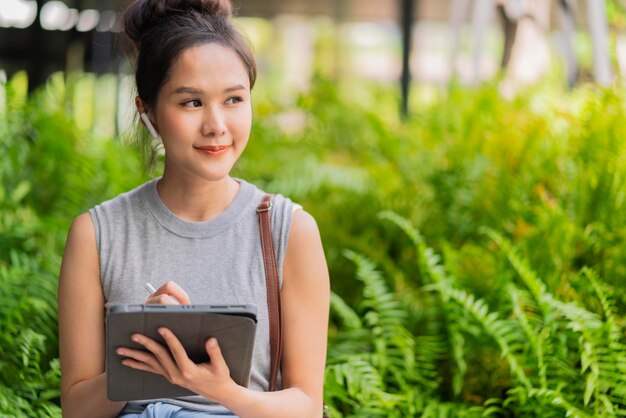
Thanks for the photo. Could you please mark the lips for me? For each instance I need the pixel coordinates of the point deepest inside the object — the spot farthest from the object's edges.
(213, 148)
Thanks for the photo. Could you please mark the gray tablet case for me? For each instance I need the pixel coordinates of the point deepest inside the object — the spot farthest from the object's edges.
(234, 326)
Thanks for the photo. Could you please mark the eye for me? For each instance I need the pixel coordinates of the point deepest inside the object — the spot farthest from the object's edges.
(234, 100)
(192, 103)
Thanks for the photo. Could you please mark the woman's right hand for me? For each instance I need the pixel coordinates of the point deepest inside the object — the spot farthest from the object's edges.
(169, 294)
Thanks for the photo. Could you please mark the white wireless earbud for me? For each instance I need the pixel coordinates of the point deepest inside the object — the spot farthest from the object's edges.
(144, 117)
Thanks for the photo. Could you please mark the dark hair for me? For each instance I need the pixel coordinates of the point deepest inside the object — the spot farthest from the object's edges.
(160, 30)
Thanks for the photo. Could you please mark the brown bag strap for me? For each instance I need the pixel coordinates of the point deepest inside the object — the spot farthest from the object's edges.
(273, 289)
(273, 292)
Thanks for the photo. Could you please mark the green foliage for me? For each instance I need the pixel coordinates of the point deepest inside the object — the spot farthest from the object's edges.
(562, 357)
(477, 251)
(50, 172)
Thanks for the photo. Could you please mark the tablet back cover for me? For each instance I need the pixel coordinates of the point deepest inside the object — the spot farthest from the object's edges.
(235, 335)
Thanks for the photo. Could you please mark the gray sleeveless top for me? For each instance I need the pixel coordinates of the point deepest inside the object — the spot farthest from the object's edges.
(217, 262)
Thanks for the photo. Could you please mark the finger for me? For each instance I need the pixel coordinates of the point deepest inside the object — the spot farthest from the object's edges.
(137, 355)
(162, 299)
(161, 353)
(172, 289)
(215, 354)
(139, 365)
(176, 348)
(139, 359)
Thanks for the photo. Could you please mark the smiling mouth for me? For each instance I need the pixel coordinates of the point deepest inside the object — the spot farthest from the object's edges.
(213, 149)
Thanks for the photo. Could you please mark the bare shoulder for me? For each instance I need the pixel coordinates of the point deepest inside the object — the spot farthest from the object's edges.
(305, 260)
(304, 237)
(80, 259)
(82, 228)
(303, 226)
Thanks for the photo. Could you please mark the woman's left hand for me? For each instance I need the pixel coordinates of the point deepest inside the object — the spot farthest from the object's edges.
(206, 379)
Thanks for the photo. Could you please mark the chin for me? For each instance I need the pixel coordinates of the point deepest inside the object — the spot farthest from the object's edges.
(209, 172)
(213, 175)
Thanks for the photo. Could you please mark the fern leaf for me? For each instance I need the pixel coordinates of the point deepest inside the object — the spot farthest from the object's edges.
(503, 332)
(376, 295)
(405, 226)
(361, 379)
(536, 287)
(559, 400)
(348, 317)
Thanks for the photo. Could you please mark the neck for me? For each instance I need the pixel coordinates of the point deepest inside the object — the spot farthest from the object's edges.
(198, 200)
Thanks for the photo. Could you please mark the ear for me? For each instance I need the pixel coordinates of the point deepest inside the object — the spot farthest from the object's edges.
(145, 119)
(139, 105)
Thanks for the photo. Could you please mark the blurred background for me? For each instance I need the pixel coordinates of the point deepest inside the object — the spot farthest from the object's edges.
(426, 42)
(465, 161)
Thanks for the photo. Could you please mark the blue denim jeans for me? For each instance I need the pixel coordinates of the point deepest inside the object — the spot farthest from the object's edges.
(164, 410)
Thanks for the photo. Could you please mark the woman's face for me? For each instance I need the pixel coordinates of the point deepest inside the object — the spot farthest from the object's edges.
(203, 112)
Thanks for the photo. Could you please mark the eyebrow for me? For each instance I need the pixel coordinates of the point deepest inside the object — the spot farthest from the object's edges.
(193, 90)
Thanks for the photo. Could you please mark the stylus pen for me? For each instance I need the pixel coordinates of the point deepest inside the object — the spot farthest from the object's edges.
(149, 288)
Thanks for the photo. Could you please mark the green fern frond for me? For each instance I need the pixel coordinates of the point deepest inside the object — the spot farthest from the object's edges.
(493, 407)
(441, 409)
(430, 265)
(522, 310)
(348, 317)
(587, 324)
(378, 301)
(505, 333)
(531, 325)
(393, 345)
(13, 405)
(405, 361)
(425, 255)
(405, 226)
(29, 346)
(457, 344)
(615, 334)
(558, 400)
(362, 381)
(346, 343)
(536, 287)
(610, 353)
(50, 410)
(311, 175)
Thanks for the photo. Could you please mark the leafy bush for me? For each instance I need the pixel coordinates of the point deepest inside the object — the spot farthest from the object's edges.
(514, 308)
(562, 358)
(50, 172)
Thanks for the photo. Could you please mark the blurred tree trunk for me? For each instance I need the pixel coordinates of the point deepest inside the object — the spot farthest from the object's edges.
(566, 14)
(596, 13)
(510, 32)
(483, 12)
(530, 52)
(458, 12)
(37, 71)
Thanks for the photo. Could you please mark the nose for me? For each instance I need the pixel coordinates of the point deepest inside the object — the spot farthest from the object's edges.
(214, 123)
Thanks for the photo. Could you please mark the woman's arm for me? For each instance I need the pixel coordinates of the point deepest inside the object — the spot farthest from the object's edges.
(305, 297)
(81, 327)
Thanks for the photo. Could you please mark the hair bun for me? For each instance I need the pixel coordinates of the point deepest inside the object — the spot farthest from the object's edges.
(143, 15)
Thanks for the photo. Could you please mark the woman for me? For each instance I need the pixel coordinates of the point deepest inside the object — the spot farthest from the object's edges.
(193, 232)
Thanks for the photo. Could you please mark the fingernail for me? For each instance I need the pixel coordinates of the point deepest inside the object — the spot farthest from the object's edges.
(120, 351)
(162, 331)
(212, 343)
(135, 338)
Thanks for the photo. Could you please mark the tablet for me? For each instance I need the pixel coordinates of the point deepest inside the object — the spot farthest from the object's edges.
(234, 326)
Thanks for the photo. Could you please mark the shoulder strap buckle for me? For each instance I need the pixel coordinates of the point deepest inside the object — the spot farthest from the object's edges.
(265, 205)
